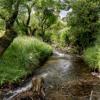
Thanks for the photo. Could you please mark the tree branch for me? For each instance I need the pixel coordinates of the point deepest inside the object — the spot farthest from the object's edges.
(12, 18)
(29, 9)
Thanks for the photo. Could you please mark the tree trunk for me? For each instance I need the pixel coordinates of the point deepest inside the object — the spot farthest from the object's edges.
(28, 21)
(10, 33)
(6, 40)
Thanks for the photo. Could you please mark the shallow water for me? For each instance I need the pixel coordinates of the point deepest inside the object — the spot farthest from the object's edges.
(66, 78)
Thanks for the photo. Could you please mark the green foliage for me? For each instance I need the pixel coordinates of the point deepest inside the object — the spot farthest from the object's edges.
(47, 37)
(22, 57)
(41, 4)
(46, 19)
(1, 33)
(6, 5)
(64, 39)
(42, 16)
(55, 38)
(58, 32)
(83, 22)
(92, 55)
(1, 25)
(45, 14)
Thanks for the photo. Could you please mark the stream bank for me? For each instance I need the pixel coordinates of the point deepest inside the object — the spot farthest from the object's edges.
(66, 77)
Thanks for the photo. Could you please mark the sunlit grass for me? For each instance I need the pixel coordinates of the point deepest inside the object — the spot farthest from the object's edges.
(22, 57)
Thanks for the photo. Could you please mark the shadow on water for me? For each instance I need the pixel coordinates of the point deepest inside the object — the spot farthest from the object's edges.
(66, 78)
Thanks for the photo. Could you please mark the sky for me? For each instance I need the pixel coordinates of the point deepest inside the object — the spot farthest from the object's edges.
(63, 13)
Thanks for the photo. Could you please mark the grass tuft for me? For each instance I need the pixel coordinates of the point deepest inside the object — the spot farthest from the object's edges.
(22, 57)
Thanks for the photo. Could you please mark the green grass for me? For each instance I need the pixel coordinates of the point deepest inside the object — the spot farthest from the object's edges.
(21, 58)
(92, 55)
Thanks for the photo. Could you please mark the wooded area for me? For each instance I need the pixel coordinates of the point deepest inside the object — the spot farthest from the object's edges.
(31, 30)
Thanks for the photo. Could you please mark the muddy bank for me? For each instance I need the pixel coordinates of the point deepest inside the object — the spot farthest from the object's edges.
(76, 90)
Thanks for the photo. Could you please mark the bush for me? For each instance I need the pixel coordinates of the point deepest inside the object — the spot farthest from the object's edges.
(22, 57)
(84, 22)
(47, 37)
(64, 39)
(92, 55)
(55, 38)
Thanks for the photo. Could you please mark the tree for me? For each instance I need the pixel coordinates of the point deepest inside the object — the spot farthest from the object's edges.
(10, 33)
(83, 22)
(46, 14)
(24, 18)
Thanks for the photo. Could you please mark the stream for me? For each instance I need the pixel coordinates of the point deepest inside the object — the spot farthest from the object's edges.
(66, 77)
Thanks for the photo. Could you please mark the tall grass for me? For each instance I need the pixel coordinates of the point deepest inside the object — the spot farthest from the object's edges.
(22, 57)
(92, 55)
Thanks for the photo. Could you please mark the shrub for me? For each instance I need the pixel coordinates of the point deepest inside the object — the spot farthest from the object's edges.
(1, 33)
(92, 55)
(83, 22)
(64, 38)
(47, 37)
(55, 38)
